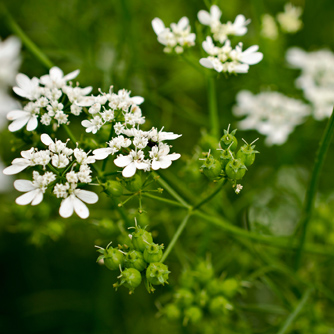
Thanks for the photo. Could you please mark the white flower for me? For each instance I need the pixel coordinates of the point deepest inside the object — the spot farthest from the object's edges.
(271, 114)
(178, 36)
(19, 164)
(28, 88)
(131, 162)
(290, 19)
(75, 202)
(76, 94)
(35, 189)
(21, 118)
(160, 136)
(250, 56)
(211, 19)
(56, 78)
(161, 158)
(93, 125)
(9, 60)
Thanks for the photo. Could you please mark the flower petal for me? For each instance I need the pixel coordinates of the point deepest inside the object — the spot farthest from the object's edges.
(72, 75)
(158, 26)
(204, 17)
(86, 196)
(66, 207)
(23, 185)
(122, 160)
(80, 208)
(129, 170)
(18, 124)
(32, 123)
(26, 198)
(38, 197)
(46, 139)
(101, 153)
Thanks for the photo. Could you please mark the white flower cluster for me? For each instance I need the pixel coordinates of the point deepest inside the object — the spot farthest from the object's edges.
(289, 22)
(175, 38)
(106, 108)
(271, 114)
(225, 58)
(316, 79)
(149, 143)
(9, 64)
(68, 168)
(45, 94)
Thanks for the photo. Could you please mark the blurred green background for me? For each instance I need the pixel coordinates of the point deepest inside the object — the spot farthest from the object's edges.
(51, 282)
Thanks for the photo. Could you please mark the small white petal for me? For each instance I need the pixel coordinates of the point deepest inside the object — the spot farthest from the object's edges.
(122, 161)
(66, 207)
(158, 26)
(32, 123)
(183, 22)
(46, 139)
(38, 197)
(15, 169)
(101, 153)
(80, 208)
(71, 75)
(204, 17)
(86, 196)
(129, 170)
(137, 100)
(16, 114)
(26, 198)
(23, 185)
(206, 62)
(18, 124)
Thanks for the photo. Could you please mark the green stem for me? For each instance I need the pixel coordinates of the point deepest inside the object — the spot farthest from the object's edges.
(70, 134)
(213, 110)
(31, 46)
(210, 196)
(104, 164)
(296, 312)
(53, 169)
(311, 191)
(176, 236)
(165, 200)
(173, 193)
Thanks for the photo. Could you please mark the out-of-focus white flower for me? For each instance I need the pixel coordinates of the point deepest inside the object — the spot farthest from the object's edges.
(316, 79)
(7, 103)
(26, 87)
(289, 20)
(175, 38)
(211, 18)
(56, 78)
(226, 59)
(269, 27)
(10, 61)
(271, 114)
(76, 202)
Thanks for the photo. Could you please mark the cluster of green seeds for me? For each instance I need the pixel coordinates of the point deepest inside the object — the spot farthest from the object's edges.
(138, 261)
(200, 295)
(232, 163)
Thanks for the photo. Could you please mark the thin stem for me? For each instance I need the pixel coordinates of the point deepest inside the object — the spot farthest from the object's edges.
(53, 169)
(296, 312)
(313, 185)
(165, 200)
(173, 193)
(104, 164)
(213, 110)
(210, 196)
(176, 236)
(70, 134)
(31, 46)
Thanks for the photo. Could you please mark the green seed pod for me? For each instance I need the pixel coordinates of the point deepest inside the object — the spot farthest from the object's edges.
(219, 305)
(157, 273)
(141, 238)
(130, 278)
(188, 279)
(112, 257)
(113, 188)
(214, 287)
(204, 271)
(172, 312)
(193, 314)
(225, 157)
(135, 259)
(133, 183)
(207, 142)
(153, 253)
(230, 287)
(246, 154)
(228, 140)
(184, 297)
(212, 168)
(235, 169)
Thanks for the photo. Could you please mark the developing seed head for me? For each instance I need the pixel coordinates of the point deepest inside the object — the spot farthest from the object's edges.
(246, 153)
(228, 140)
(135, 259)
(235, 169)
(130, 278)
(212, 168)
(157, 273)
(153, 253)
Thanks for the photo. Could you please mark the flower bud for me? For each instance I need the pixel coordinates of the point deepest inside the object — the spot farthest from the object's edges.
(153, 253)
(135, 259)
(113, 188)
(133, 183)
(235, 169)
(157, 273)
(130, 278)
(227, 139)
